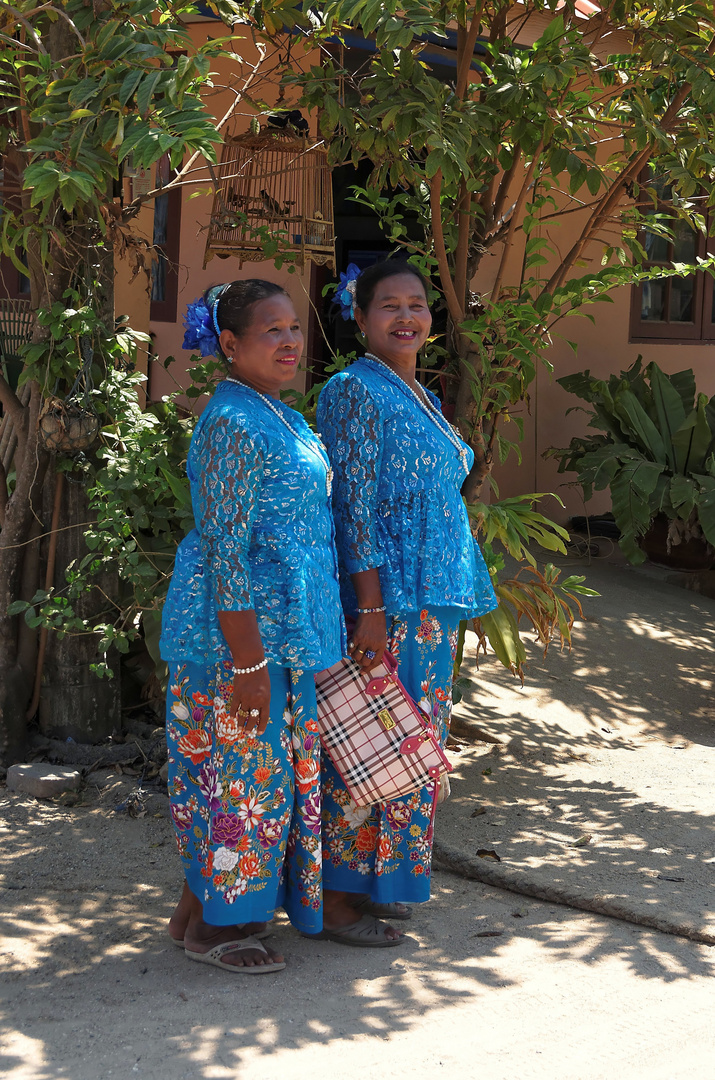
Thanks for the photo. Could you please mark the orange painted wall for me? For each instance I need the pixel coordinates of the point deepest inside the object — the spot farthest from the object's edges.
(602, 346)
(194, 278)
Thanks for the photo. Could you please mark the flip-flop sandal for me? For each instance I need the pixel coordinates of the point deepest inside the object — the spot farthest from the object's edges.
(259, 935)
(366, 933)
(213, 957)
(401, 912)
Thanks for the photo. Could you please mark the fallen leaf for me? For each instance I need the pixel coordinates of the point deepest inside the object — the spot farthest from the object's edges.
(582, 840)
(478, 811)
(489, 933)
(486, 772)
(488, 853)
(663, 877)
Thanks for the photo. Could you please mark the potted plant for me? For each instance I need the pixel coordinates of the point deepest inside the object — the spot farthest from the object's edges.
(655, 451)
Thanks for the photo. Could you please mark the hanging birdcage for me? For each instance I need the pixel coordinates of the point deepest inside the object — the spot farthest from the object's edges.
(273, 187)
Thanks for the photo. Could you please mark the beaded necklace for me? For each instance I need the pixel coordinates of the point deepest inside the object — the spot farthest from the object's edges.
(315, 445)
(430, 410)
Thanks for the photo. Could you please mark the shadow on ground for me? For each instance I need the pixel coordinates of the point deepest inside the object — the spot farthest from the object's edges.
(93, 989)
(609, 748)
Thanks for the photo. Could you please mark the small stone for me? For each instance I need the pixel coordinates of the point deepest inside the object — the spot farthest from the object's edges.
(42, 780)
(164, 772)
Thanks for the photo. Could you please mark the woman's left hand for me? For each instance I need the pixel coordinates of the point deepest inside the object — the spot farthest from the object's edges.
(368, 640)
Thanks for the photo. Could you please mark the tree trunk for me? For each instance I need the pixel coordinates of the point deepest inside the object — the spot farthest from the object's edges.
(23, 507)
(74, 702)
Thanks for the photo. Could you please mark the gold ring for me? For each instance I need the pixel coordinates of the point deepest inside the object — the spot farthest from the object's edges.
(240, 712)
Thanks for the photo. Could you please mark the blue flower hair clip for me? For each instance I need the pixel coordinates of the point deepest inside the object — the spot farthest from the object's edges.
(201, 324)
(345, 293)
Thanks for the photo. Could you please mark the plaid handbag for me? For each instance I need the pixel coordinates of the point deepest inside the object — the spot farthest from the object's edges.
(376, 737)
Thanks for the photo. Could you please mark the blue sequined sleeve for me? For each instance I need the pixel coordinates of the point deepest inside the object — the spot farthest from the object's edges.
(228, 470)
(350, 424)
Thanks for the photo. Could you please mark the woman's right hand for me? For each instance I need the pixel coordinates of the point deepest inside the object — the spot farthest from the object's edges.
(251, 694)
(369, 635)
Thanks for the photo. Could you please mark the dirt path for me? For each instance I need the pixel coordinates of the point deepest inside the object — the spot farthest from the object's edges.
(492, 985)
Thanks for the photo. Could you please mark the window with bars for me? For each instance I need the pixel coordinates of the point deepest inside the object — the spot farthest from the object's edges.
(166, 242)
(674, 309)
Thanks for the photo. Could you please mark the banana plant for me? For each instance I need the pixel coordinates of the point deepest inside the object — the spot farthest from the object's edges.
(655, 450)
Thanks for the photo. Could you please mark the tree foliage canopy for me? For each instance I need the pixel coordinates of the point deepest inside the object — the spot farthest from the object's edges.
(545, 117)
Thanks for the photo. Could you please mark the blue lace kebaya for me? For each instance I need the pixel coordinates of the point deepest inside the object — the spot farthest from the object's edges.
(396, 495)
(264, 539)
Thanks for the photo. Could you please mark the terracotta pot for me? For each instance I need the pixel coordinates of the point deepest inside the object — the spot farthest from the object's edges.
(693, 554)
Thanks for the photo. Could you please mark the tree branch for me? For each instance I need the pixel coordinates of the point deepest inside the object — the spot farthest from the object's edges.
(465, 51)
(3, 494)
(134, 206)
(455, 308)
(28, 26)
(518, 207)
(461, 255)
(504, 185)
(11, 403)
(615, 192)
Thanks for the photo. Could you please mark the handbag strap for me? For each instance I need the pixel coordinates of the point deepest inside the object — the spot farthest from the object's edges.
(430, 827)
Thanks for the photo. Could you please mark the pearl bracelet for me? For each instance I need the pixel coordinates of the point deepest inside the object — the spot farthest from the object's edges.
(248, 670)
(370, 610)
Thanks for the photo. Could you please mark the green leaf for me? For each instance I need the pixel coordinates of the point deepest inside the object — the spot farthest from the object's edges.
(628, 408)
(18, 607)
(669, 408)
(631, 489)
(146, 91)
(692, 440)
(683, 495)
(129, 84)
(502, 630)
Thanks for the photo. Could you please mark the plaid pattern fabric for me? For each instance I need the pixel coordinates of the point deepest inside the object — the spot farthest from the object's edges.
(375, 735)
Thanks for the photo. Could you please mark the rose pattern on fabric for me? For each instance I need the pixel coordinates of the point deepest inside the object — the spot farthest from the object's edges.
(391, 843)
(249, 835)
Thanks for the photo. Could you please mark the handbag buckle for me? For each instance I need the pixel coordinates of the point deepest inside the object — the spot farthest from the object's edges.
(386, 719)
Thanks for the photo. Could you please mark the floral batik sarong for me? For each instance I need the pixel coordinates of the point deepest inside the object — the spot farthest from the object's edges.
(386, 850)
(246, 810)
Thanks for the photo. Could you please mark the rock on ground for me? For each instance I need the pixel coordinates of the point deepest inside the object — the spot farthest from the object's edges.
(41, 780)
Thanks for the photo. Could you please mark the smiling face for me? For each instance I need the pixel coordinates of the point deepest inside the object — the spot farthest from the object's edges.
(266, 355)
(397, 321)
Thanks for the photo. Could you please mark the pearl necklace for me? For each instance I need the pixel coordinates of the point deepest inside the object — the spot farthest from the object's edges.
(430, 410)
(316, 446)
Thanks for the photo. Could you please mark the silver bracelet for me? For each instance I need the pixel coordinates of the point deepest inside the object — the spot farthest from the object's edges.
(248, 670)
(370, 610)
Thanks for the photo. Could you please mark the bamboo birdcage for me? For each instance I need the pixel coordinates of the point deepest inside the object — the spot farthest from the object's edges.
(276, 183)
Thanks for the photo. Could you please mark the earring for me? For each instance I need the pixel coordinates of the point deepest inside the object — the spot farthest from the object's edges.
(362, 334)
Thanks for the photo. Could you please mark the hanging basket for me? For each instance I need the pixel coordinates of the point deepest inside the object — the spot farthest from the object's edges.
(66, 427)
(273, 186)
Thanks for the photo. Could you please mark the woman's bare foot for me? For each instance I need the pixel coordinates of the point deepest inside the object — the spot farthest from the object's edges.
(338, 913)
(200, 936)
(395, 909)
(180, 920)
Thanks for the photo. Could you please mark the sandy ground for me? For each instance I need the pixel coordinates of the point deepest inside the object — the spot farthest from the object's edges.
(491, 984)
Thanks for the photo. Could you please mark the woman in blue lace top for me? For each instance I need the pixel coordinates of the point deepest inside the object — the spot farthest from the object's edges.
(252, 612)
(410, 570)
